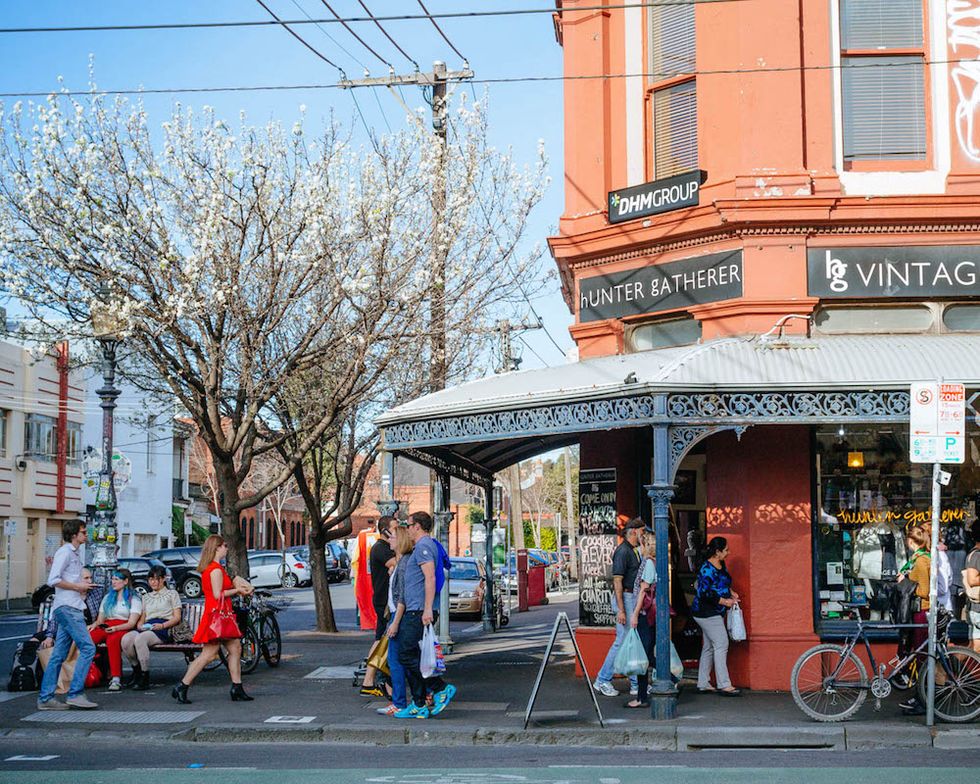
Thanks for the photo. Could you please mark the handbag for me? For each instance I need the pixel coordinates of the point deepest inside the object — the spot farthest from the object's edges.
(631, 658)
(736, 623)
(379, 658)
(223, 625)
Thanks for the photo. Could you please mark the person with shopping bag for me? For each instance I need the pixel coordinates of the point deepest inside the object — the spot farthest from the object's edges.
(713, 599)
(218, 626)
(396, 607)
(421, 588)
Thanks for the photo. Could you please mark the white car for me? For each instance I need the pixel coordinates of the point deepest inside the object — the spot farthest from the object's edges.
(266, 570)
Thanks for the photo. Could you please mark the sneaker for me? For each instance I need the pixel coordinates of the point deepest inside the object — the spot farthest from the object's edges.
(115, 684)
(391, 710)
(81, 702)
(372, 691)
(442, 699)
(634, 691)
(605, 688)
(412, 712)
(51, 704)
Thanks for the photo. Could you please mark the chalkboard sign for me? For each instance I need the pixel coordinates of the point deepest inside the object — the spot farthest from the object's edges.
(597, 501)
(595, 586)
(597, 540)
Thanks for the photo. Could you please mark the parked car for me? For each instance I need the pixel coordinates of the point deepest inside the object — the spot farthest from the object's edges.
(182, 562)
(338, 561)
(265, 570)
(467, 587)
(140, 568)
(507, 574)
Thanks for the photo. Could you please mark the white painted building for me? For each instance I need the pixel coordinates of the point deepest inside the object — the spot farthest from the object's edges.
(143, 440)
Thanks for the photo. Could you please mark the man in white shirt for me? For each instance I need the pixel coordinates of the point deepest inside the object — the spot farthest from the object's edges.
(68, 609)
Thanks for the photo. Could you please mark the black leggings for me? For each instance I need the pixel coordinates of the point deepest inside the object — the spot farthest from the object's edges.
(648, 638)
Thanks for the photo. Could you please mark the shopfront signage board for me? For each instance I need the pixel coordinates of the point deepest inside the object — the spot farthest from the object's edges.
(653, 198)
(597, 540)
(907, 271)
(654, 288)
(937, 423)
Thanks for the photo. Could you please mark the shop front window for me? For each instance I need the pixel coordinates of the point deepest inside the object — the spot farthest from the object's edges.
(868, 495)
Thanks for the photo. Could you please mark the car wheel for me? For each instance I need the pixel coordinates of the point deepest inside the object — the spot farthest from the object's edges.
(141, 589)
(289, 580)
(192, 587)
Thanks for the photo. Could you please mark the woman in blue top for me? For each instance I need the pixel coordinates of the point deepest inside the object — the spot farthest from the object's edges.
(713, 597)
(641, 620)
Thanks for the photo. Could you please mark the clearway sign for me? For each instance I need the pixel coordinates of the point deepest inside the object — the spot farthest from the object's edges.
(937, 423)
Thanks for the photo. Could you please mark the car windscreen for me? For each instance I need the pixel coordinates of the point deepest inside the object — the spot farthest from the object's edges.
(464, 570)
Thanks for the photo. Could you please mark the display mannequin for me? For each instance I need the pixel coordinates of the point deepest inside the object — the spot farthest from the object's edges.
(879, 551)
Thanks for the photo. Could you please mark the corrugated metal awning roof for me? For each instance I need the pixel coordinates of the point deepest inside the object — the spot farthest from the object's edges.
(853, 362)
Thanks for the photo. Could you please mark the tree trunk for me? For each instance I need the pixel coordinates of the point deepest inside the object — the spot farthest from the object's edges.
(325, 621)
(231, 528)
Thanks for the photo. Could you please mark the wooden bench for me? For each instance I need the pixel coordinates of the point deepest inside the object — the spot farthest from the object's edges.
(190, 612)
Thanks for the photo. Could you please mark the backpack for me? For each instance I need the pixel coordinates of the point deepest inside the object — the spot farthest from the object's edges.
(23, 676)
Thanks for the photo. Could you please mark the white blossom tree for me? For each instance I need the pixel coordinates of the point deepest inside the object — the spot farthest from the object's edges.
(246, 263)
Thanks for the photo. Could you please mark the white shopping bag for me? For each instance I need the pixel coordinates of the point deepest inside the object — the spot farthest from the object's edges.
(736, 624)
(427, 645)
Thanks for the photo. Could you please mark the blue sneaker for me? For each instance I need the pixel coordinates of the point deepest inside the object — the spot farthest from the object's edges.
(412, 711)
(442, 699)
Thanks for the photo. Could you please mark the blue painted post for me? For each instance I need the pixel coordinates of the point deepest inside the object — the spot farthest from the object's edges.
(663, 694)
(488, 602)
(443, 517)
(387, 505)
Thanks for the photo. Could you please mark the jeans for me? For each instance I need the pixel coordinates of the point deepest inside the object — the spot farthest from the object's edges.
(714, 652)
(409, 636)
(399, 697)
(648, 637)
(71, 628)
(606, 673)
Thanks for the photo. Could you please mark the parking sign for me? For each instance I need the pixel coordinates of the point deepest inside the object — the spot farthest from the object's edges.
(937, 423)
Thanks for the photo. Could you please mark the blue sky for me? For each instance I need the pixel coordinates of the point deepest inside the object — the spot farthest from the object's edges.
(503, 46)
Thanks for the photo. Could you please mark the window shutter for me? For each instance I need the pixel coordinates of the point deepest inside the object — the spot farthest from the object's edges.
(884, 108)
(671, 40)
(675, 130)
(876, 24)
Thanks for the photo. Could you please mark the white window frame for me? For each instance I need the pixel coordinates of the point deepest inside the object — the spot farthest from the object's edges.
(897, 183)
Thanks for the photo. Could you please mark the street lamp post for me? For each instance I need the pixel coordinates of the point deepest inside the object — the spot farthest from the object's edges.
(105, 534)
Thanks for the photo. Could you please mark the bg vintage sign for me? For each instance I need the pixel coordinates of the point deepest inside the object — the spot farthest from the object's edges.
(658, 287)
(947, 271)
(652, 198)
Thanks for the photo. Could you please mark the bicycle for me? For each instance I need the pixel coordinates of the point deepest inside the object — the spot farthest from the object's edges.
(830, 683)
(261, 637)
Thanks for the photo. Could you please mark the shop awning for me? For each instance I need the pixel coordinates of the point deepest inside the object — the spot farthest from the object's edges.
(486, 425)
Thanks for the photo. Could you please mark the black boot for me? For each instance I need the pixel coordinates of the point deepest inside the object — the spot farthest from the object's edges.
(180, 693)
(144, 681)
(238, 693)
(134, 678)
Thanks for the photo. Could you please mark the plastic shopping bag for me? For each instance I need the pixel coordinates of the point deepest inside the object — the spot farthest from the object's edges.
(631, 659)
(428, 647)
(736, 624)
(676, 665)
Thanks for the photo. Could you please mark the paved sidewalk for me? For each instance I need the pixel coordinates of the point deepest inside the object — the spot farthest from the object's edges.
(310, 698)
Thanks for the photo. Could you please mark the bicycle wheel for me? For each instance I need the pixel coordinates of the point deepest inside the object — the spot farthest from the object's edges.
(271, 640)
(957, 685)
(825, 699)
(250, 650)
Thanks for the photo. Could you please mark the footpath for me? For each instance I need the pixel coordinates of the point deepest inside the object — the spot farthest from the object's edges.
(310, 698)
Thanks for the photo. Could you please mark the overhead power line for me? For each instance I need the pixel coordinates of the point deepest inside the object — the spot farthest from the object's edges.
(300, 38)
(350, 30)
(389, 18)
(444, 36)
(394, 43)
(329, 37)
(487, 80)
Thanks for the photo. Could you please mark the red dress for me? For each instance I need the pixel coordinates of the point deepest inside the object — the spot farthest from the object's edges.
(203, 634)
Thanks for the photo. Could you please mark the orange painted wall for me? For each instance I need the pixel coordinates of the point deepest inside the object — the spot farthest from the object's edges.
(759, 499)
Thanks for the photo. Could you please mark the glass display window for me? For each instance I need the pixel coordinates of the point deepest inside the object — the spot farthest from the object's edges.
(868, 494)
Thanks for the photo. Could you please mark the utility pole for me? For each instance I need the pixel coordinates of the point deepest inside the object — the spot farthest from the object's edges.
(438, 80)
(570, 512)
(508, 360)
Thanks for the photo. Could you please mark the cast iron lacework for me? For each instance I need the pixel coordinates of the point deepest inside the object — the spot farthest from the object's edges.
(700, 408)
(453, 469)
(683, 437)
(790, 406)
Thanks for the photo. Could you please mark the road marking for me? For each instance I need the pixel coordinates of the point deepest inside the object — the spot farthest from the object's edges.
(12, 695)
(27, 758)
(332, 673)
(16, 637)
(289, 719)
(114, 717)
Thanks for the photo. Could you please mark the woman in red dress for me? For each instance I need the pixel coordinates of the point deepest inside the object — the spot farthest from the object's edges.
(218, 590)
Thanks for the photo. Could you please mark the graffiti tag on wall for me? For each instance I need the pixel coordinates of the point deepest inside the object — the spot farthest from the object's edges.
(963, 22)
